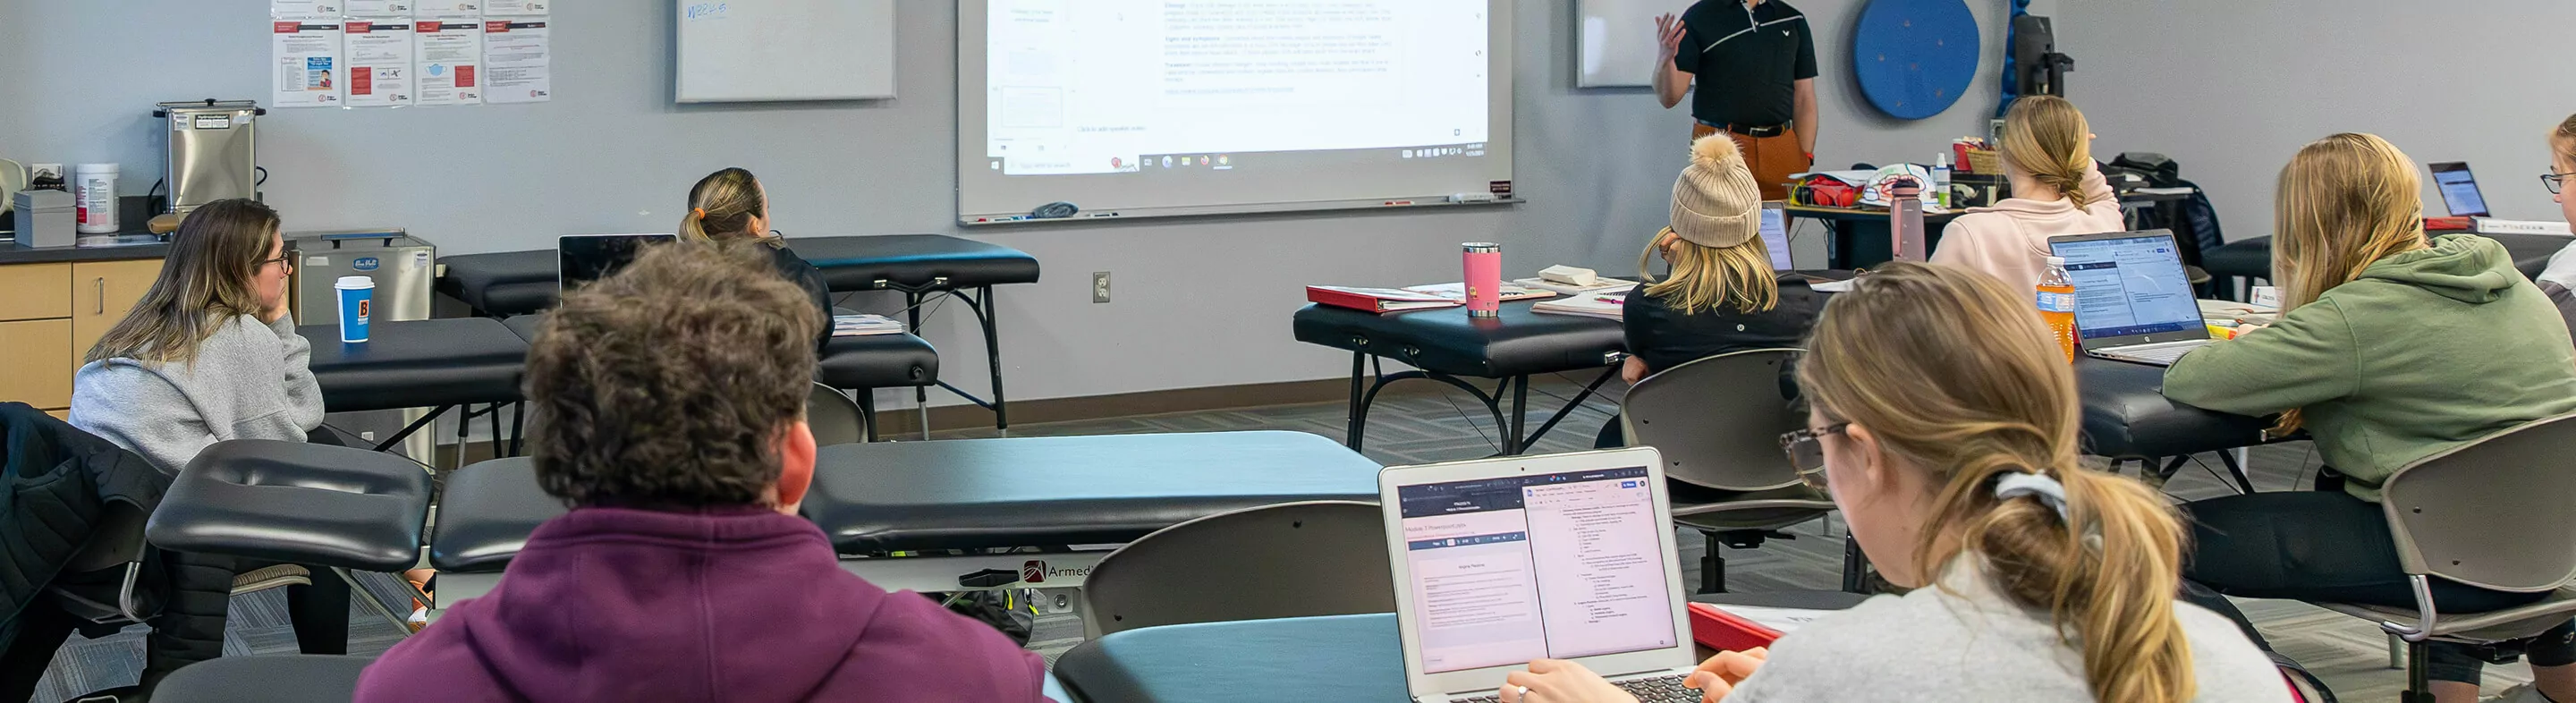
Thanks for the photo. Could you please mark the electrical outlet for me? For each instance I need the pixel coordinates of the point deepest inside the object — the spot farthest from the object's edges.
(1100, 287)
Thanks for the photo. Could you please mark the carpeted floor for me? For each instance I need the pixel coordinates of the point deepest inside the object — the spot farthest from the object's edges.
(2350, 654)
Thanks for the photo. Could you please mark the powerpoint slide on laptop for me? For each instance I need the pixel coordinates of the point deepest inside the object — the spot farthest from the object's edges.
(1116, 86)
(2126, 287)
(1507, 570)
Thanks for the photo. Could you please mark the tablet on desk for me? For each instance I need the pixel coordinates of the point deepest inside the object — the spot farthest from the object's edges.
(583, 258)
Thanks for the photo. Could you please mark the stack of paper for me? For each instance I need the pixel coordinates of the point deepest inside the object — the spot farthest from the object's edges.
(1604, 306)
(1603, 284)
(864, 325)
(1458, 292)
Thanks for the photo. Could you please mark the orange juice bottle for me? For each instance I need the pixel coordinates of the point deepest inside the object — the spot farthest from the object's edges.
(2057, 305)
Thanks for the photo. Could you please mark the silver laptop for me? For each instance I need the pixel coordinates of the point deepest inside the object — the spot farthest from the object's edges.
(2133, 302)
(1502, 561)
(1775, 233)
(582, 258)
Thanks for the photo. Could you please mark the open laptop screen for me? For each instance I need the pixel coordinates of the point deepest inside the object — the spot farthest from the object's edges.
(2128, 286)
(1775, 234)
(1565, 565)
(590, 257)
(2459, 190)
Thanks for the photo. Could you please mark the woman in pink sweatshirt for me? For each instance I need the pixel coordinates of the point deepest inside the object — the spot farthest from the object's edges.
(2048, 156)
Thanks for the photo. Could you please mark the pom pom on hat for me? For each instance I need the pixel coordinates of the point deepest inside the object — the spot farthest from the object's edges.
(1716, 202)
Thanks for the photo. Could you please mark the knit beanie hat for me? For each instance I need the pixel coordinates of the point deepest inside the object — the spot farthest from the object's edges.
(1715, 202)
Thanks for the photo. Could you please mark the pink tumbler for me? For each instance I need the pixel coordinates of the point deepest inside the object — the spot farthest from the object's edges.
(1484, 262)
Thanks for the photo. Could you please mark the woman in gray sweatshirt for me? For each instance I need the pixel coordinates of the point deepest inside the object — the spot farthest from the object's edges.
(210, 353)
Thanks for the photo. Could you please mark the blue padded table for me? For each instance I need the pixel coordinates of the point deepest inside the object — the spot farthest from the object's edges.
(2251, 259)
(874, 500)
(1445, 344)
(437, 364)
(921, 266)
(1257, 661)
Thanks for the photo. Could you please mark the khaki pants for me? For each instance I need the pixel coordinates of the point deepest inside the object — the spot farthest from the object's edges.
(1771, 158)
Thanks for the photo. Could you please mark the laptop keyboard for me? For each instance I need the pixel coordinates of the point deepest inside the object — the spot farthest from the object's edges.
(1659, 689)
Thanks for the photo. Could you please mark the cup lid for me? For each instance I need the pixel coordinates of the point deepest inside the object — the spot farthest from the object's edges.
(355, 282)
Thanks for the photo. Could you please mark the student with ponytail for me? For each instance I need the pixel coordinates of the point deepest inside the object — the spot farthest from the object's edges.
(1945, 424)
(2389, 348)
(730, 206)
(2057, 190)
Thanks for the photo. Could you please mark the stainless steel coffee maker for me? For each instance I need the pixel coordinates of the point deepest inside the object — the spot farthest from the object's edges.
(213, 154)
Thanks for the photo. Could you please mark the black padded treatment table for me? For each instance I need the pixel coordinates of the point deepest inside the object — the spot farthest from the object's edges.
(1072, 497)
(921, 266)
(438, 364)
(847, 363)
(2251, 259)
(2127, 417)
(1447, 346)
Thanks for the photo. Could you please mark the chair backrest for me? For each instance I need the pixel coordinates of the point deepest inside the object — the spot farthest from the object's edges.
(835, 418)
(1718, 420)
(2493, 513)
(1277, 561)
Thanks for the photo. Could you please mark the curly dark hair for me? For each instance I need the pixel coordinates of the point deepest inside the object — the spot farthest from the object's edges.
(666, 384)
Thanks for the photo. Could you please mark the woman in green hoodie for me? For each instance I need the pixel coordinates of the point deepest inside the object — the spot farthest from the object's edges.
(2390, 348)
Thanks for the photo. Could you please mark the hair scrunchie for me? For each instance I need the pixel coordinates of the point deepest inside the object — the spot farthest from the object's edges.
(698, 212)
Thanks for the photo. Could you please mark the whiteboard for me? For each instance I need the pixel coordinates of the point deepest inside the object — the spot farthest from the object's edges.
(1616, 47)
(775, 50)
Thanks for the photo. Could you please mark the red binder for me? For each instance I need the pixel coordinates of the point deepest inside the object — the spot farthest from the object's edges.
(1724, 631)
(1377, 300)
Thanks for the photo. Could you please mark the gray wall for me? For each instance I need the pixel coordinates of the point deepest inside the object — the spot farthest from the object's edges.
(1199, 302)
(2232, 89)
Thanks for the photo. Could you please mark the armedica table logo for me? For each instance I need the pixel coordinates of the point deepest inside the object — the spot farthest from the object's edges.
(365, 263)
(1037, 571)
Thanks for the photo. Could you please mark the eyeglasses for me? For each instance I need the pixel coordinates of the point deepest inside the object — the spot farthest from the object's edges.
(286, 259)
(2554, 181)
(1806, 452)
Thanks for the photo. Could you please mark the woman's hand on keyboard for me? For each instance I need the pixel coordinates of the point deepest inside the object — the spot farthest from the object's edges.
(1719, 675)
(1560, 681)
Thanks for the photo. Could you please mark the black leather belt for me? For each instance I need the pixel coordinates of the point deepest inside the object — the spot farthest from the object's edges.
(1750, 131)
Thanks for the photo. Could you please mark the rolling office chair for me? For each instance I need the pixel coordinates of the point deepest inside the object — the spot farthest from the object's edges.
(835, 418)
(1718, 422)
(2490, 514)
(1278, 561)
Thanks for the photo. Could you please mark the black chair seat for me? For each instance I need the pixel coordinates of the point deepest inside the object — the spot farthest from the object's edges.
(296, 502)
(299, 678)
(1445, 340)
(502, 284)
(1243, 661)
(487, 513)
(915, 261)
(877, 361)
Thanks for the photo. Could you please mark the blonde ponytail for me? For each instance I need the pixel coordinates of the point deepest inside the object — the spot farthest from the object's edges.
(722, 207)
(1953, 373)
(2046, 137)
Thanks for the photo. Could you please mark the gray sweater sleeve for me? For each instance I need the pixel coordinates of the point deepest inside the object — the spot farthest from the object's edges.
(303, 393)
(139, 410)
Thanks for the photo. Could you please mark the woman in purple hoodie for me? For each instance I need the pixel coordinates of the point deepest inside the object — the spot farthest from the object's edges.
(670, 415)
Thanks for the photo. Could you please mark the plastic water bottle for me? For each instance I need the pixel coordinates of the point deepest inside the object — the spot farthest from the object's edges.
(2057, 305)
(1941, 181)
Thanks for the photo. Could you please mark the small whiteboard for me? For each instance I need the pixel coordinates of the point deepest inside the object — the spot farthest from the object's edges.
(1616, 44)
(777, 50)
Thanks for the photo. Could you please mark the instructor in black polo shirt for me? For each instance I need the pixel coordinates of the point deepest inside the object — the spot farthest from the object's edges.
(1756, 65)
